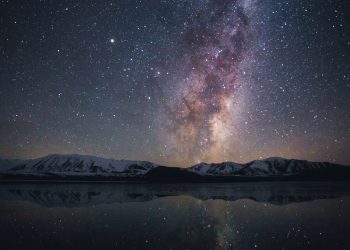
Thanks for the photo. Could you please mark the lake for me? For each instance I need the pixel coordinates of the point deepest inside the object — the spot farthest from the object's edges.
(291, 215)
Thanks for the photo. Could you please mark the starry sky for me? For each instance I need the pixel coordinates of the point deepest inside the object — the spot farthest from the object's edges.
(176, 82)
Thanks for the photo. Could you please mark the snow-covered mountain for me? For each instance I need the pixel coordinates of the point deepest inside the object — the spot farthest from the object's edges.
(273, 166)
(6, 164)
(72, 165)
(81, 167)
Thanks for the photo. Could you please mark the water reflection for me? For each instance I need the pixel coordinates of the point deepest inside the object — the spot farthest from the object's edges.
(75, 195)
(177, 216)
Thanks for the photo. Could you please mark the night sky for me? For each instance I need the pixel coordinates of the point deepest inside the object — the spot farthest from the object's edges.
(176, 82)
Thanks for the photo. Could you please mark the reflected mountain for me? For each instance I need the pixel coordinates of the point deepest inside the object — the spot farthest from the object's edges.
(81, 195)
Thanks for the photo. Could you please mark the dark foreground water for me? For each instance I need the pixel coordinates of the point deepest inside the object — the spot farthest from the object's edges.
(175, 216)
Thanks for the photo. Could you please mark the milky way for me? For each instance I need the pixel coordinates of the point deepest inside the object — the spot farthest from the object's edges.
(176, 82)
(216, 44)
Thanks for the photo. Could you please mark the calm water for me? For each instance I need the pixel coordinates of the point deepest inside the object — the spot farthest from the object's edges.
(177, 216)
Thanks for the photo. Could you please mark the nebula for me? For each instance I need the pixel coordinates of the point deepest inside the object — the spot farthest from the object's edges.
(216, 44)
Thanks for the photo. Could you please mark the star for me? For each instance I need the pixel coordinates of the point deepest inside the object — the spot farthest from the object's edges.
(215, 80)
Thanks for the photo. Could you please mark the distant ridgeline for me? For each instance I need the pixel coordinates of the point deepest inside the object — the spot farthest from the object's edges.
(91, 168)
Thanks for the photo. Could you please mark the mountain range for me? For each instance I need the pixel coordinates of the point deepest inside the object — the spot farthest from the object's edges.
(92, 168)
